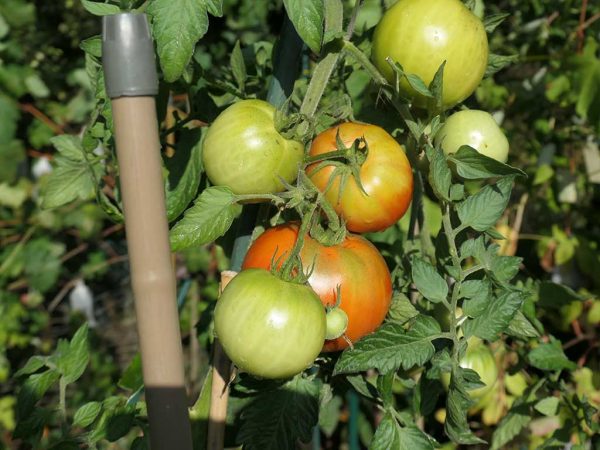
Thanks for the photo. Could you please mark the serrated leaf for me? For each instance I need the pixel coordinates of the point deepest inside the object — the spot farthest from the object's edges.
(176, 26)
(86, 414)
(72, 362)
(363, 386)
(483, 209)
(495, 318)
(428, 281)
(329, 415)
(185, 168)
(472, 165)
(401, 309)
(390, 435)
(307, 17)
(491, 22)
(440, 176)
(458, 403)
(521, 327)
(510, 426)
(33, 365)
(32, 390)
(477, 295)
(498, 62)
(392, 347)
(100, 9)
(238, 66)
(277, 418)
(92, 45)
(418, 85)
(209, 218)
(69, 146)
(550, 356)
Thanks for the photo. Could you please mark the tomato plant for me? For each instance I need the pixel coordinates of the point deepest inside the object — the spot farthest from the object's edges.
(421, 34)
(385, 175)
(243, 150)
(337, 323)
(269, 327)
(477, 129)
(354, 265)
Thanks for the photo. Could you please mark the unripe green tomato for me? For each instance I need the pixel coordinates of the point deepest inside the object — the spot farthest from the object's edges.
(421, 34)
(515, 384)
(593, 316)
(269, 327)
(243, 151)
(337, 322)
(477, 129)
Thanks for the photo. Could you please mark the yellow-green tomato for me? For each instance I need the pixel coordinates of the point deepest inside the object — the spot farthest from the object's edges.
(474, 128)
(479, 358)
(243, 150)
(269, 327)
(421, 34)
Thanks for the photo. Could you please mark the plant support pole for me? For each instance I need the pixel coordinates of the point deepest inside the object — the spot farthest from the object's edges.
(131, 84)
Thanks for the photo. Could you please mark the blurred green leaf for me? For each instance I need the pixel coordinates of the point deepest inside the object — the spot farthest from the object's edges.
(307, 17)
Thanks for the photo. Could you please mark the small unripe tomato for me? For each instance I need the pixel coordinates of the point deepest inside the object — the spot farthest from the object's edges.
(421, 34)
(243, 151)
(337, 322)
(269, 327)
(474, 128)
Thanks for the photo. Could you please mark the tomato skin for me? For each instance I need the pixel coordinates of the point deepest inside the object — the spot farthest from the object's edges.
(480, 358)
(386, 175)
(355, 265)
(243, 150)
(268, 327)
(477, 129)
(421, 34)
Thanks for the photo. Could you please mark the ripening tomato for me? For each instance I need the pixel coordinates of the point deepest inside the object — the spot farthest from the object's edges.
(475, 128)
(421, 34)
(355, 265)
(243, 150)
(269, 327)
(385, 175)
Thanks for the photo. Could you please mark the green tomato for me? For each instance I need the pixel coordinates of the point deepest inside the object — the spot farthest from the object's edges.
(421, 34)
(337, 323)
(243, 151)
(474, 128)
(268, 327)
(479, 358)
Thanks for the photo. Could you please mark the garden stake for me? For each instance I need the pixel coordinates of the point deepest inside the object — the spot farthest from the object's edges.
(287, 63)
(131, 84)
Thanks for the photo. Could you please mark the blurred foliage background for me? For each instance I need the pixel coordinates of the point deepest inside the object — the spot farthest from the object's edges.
(60, 268)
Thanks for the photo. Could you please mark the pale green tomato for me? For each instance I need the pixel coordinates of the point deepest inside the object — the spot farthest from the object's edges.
(337, 323)
(421, 34)
(474, 128)
(243, 151)
(268, 327)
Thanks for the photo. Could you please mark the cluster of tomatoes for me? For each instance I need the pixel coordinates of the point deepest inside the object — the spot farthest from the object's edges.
(272, 327)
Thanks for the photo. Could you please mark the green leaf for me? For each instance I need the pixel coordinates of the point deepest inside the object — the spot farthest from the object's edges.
(458, 403)
(9, 116)
(491, 22)
(277, 418)
(483, 209)
(477, 295)
(587, 82)
(418, 85)
(390, 435)
(238, 66)
(550, 356)
(472, 165)
(495, 318)
(86, 414)
(185, 167)
(307, 17)
(132, 378)
(548, 406)
(554, 295)
(100, 9)
(209, 218)
(33, 390)
(34, 364)
(521, 327)
(176, 26)
(401, 309)
(510, 426)
(498, 62)
(392, 347)
(428, 281)
(11, 154)
(92, 45)
(440, 176)
(72, 362)
(329, 415)
(42, 263)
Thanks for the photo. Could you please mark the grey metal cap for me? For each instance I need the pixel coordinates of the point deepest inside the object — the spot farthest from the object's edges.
(128, 56)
